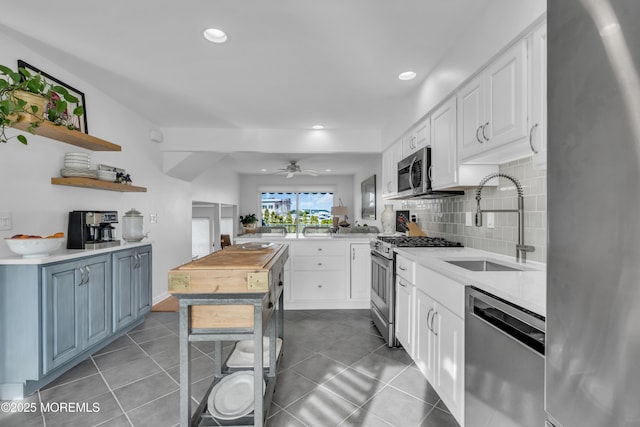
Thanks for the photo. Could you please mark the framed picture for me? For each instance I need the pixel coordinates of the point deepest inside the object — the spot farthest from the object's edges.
(368, 188)
(77, 122)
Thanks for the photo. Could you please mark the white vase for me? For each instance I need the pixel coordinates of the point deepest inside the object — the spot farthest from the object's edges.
(388, 219)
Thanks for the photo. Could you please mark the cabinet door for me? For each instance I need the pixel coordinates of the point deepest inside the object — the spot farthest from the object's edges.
(424, 340)
(404, 314)
(360, 271)
(96, 299)
(61, 310)
(506, 97)
(317, 285)
(390, 158)
(471, 115)
(143, 281)
(444, 156)
(450, 364)
(124, 292)
(538, 124)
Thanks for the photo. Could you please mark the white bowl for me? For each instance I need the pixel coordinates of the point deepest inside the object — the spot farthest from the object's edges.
(106, 176)
(34, 248)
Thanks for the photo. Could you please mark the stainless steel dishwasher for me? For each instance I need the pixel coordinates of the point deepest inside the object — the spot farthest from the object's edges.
(504, 363)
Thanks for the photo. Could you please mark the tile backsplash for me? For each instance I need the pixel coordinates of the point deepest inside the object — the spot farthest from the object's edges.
(446, 217)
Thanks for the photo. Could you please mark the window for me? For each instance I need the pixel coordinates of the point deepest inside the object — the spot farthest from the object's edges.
(297, 210)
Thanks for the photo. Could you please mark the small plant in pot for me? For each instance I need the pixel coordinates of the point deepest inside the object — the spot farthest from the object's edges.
(28, 97)
(249, 221)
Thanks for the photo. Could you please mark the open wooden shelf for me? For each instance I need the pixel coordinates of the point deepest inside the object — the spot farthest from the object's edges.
(97, 184)
(73, 137)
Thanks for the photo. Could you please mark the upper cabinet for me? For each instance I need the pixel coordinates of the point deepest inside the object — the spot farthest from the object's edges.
(390, 158)
(538, 105)
(417, 138)
(444, 159)
(493, 109)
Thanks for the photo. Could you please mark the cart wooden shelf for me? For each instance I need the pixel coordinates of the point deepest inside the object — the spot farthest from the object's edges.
(73, 137)
(230, 295)
(97, 184)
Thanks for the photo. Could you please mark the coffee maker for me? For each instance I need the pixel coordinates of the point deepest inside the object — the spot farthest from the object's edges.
(92, 229)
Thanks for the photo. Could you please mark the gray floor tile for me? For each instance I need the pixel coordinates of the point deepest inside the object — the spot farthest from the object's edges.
(150, 334)
(162, 412)
(201, 367)
(168, 343)
(321, 408)
(120, 343)
(120, 421)
(149, 323)
(344, 351)
(293, 354)
(362, 418)
(319, 368)
(438, 418)
(284, 419)
(119, 357)
(398, 354)
(84, 388)
(81, 370)
(291, 386)
(379, 367)
(145, 390)
(127, 373)
(392, 405)
(22, 413)
(354, 386)
(412, 381)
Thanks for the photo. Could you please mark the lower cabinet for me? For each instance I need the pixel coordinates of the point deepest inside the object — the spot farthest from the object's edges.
(66, 311)
(131, 286)
(76, 309)
(360, 272)
(404, 314)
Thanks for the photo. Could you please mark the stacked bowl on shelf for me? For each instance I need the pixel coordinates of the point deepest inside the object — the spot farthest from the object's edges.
(77, 165)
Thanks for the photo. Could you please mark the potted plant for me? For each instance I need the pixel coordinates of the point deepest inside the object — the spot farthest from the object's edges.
(249, 221)
(28, 97)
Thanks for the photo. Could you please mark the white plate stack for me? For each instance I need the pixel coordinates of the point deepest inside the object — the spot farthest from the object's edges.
(78, 165)
(107, 176)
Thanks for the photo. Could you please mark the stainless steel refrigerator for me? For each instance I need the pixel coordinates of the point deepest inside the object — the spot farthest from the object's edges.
(592, 361)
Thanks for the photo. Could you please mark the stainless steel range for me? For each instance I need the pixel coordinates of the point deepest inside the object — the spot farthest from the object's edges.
(383, 284)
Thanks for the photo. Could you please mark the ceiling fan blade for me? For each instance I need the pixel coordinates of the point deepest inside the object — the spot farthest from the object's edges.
(290, 175)
(311, 172)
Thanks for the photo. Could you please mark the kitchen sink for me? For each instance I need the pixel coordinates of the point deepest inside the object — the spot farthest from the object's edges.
(483, 265)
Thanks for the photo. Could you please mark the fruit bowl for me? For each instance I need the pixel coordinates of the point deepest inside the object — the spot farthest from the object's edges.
(34, 247)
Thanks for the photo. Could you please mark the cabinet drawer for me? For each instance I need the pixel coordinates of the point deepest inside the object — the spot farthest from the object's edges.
(314, 285)
(319, 263)
(406, 269)
(318, 247)
(446, 291)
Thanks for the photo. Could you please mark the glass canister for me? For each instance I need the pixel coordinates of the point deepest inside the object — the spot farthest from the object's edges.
(132, 226)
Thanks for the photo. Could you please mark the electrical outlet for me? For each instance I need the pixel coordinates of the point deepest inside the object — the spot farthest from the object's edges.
(491, 220)
(153, 218)
(5, 221)
(468, 219)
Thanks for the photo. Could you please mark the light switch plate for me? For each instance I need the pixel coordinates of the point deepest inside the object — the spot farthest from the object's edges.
(5, 221)
(491, 220)
(468, 219)
(153, 218)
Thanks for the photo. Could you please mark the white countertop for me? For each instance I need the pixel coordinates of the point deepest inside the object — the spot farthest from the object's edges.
(292, 236)
(63, 254)
(528, 289)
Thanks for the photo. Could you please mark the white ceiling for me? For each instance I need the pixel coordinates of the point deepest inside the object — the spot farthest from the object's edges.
(288, 64)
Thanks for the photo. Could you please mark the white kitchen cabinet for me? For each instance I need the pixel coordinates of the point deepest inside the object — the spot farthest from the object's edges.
(425, 350)
(404, 314)
(418, 137)
(493, 110)
(538, 106)
(445, 172)
(360, 271)
(390, 158)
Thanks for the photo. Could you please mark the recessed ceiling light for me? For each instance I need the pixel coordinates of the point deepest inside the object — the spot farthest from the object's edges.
(215, 35)
(317, 127)
(327, 170)
(263, 170)
(407, 75)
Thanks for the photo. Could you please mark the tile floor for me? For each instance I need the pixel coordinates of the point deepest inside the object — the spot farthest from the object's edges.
(335, 370)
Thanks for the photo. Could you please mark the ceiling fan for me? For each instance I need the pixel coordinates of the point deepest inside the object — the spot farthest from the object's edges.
(293, 168)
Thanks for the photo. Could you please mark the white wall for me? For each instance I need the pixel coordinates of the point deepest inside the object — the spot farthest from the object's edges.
(37, 207)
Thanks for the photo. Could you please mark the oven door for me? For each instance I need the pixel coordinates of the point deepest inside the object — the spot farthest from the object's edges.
(383, 297)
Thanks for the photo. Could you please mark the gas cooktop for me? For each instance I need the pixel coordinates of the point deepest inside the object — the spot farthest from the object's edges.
(418, 241)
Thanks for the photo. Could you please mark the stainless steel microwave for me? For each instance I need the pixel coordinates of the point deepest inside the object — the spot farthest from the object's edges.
(414, 177)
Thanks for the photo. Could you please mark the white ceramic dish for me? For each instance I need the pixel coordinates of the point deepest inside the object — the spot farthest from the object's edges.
(232, 396)
(34, 248)
(253, 246)
(242, 356)
(106, 176)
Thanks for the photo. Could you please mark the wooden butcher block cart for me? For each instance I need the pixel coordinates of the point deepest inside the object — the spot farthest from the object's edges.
(231, 295)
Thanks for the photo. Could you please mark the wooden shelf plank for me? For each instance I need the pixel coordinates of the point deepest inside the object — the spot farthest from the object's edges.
(97, 184)
(73, 137)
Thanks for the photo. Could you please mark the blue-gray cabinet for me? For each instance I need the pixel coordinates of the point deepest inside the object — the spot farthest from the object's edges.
(56, 312)
(131, 285)
(76, 309)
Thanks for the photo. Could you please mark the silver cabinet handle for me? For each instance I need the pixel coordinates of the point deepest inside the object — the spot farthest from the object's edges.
(404, 285)
(88, 270)
(483, 134)
(433, 318)
(402, 267)
(429, 319)
(320, 249)
(353, 254)
(82, 279)
(413, 188)
(531, 139)
(319, 263)
(477, 137)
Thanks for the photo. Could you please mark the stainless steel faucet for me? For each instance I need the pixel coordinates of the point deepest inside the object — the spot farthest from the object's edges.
(521, 248)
